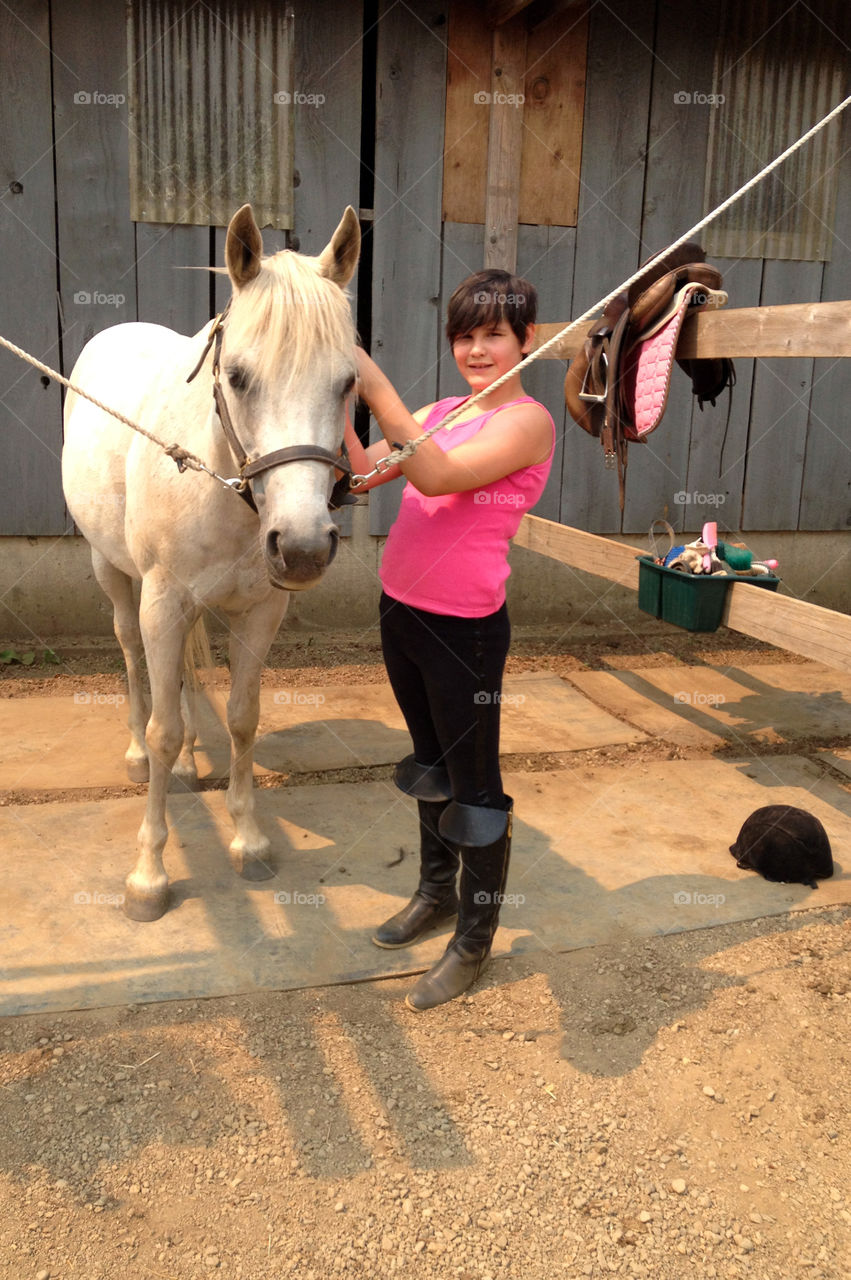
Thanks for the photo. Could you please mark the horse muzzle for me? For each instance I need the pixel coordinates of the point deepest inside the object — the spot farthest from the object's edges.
(294, 564)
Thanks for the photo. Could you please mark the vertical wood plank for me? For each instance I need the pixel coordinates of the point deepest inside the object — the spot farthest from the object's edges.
(31, 500)
(410, 88)
(826, 492)
(556, 53)
(468, 91)
(673, 200)
(166, 293)
(327, 133)
(714, 482)
(328, 63)
(608, 230)
(327, 137)
(505, 141)
(546, 258)
(97, 250)
(779, 412)
(462, 256)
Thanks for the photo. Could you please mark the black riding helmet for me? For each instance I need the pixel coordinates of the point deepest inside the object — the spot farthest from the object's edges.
(786, 844)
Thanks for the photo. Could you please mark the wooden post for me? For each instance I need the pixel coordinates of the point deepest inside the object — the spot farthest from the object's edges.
(505, 141)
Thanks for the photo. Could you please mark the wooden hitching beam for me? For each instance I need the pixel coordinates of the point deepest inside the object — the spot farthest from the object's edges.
(819, 329)
(808, 629)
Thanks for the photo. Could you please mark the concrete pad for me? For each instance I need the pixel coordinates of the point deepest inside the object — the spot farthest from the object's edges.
(79, 740)
(599, 854)
(702, 706)
(840, 760)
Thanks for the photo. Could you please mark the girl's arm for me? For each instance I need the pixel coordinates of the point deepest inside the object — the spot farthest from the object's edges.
(363, 460)
(519, 436)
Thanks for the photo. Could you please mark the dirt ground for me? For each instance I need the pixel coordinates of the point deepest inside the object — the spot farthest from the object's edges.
(660, 1108)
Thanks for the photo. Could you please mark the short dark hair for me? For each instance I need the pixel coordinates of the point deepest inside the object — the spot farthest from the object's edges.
(488, 297)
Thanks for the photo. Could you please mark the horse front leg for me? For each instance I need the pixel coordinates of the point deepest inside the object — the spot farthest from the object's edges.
(251, 635)
(165, 620)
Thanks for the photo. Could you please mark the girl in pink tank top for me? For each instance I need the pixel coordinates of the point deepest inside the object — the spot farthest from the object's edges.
(444, 625)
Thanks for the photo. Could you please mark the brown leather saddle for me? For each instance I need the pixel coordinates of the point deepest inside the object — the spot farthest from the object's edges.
(616, 388)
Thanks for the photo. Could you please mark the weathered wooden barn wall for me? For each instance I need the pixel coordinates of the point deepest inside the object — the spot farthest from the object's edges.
(73, 262)
(67, 240)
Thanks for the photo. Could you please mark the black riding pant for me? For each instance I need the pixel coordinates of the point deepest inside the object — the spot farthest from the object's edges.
(446, 673)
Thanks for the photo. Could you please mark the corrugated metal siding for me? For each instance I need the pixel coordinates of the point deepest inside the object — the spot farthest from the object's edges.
(779, 73)
(211, 111)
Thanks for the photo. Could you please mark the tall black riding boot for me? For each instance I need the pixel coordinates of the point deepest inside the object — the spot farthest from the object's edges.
(435, 899)
(483, 877)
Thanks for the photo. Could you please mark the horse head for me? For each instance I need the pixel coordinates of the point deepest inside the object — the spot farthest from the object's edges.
(286, 367)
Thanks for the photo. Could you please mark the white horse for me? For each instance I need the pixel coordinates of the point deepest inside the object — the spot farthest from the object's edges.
(286, 353)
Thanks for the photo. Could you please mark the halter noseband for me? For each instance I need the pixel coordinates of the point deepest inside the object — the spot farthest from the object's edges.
(248, 470)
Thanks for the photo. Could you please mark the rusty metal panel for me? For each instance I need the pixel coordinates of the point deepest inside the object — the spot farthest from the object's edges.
(211, 111)
(776, 75)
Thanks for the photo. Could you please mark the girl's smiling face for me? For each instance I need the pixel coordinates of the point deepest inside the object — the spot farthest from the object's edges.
(487, 352)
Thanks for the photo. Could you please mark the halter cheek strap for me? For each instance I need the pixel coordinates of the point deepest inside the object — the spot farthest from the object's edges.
(248, 470)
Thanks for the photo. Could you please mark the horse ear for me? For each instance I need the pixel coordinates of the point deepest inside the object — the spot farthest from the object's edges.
(243, 247)
(340, 256)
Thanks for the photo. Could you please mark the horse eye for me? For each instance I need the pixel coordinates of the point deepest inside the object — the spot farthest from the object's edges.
(349, 387)
(238, 378)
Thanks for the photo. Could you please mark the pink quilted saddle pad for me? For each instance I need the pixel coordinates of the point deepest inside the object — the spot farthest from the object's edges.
(647, 368)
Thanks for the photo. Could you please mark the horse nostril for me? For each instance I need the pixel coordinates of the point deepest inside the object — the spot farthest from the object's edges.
(273, 549)
(334, 535)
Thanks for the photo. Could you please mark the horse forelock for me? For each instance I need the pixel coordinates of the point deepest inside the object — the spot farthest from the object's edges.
(288, 317)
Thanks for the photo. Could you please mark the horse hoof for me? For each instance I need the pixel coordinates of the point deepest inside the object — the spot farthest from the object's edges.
(252, 866)
(137, 768)
(145, 907)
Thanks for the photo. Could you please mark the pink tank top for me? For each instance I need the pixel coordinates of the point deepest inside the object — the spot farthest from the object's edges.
(449, 554)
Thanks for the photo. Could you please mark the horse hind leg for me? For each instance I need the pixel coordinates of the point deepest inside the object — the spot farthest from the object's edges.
(119, 587)
(197, 654)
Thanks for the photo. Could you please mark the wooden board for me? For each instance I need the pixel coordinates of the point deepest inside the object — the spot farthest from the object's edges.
(586, 551)
(97, 246)
(826, 488)
(167, 294)
(556, 53)
(811, 329)
(610, 209)
(673, 200)
(718, 442)
(31, 500)
(550, 74)
(406, 245)
(505, 145)
(777, 435)
(467, 119)
(546, 258)
(462, 254)
(807, 629)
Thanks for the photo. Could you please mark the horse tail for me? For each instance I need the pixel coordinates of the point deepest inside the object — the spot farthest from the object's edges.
(197, 653)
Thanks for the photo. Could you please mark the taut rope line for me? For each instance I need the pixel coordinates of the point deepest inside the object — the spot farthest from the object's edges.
(409, 449)
(181, 456)
(185, 459)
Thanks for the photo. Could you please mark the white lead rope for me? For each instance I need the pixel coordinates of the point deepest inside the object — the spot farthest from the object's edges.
(181, 456)
(410, 447)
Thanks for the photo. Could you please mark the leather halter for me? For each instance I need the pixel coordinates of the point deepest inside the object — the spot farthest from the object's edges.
(248, 468)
